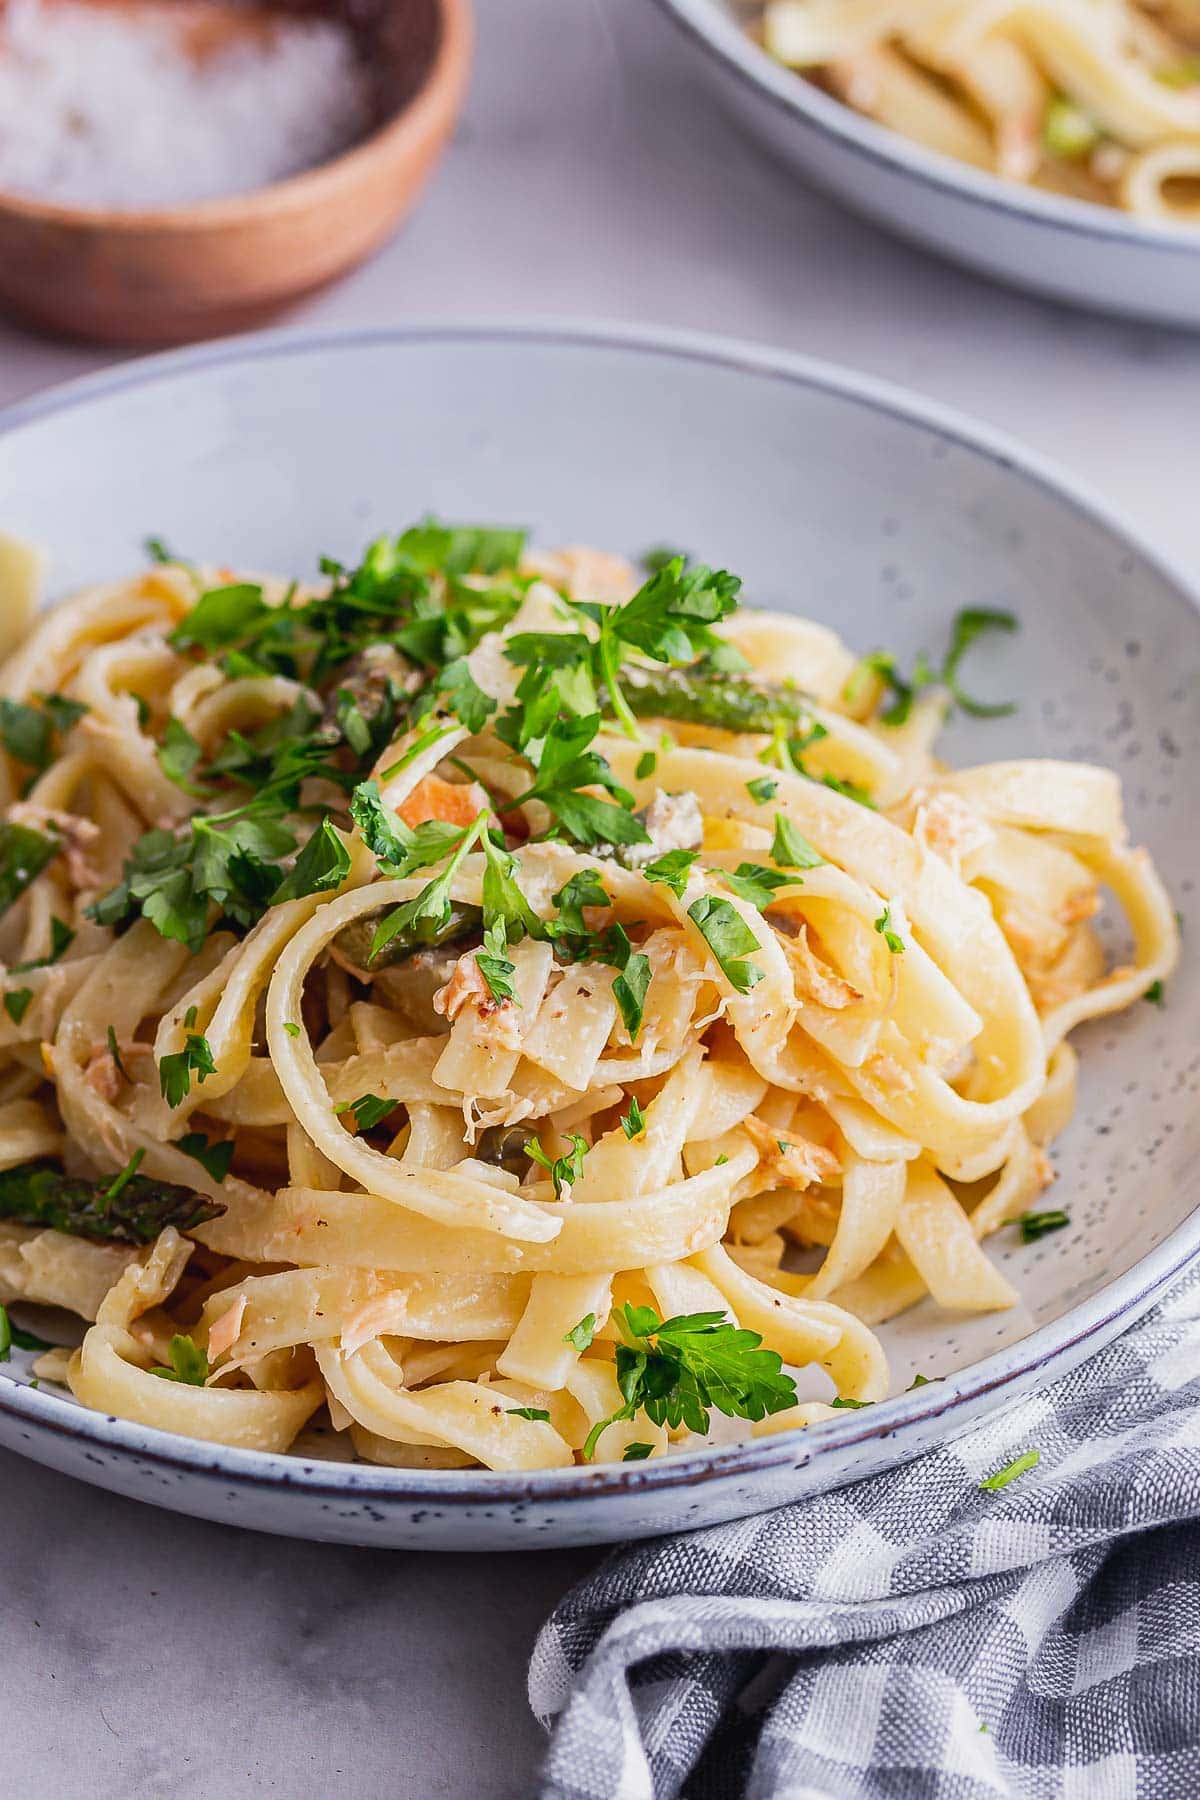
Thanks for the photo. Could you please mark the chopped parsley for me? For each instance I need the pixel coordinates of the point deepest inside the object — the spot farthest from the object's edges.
(215, 1158)
(564, 1170)
(633, 1122)
(762, 788)
(61, 939)
(17, 1002)
(756, 883)
(580, 1336)
(637, 1452)
(791, 849)
(188, 1363)
(629, 992)
(369, 1110)
(493, 962)
(176, 1070)
(1155, 994)
(729, 938)
(536, 1413)
(114, 1051)
(1011, 1471)
(671, 869)
(1037, 1225)
(12, 1337)
(24, 853)
(647, 762)
(888, 933)
(676, 1370)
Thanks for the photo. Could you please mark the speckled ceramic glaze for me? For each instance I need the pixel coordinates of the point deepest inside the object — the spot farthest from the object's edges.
(832, 495)
(1084, 254)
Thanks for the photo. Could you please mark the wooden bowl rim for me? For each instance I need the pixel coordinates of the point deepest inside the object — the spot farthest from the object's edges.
(446, 77)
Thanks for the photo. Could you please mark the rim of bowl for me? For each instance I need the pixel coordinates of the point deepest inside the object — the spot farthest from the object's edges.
(447, 71)
(1095, 1318)
(710, 26)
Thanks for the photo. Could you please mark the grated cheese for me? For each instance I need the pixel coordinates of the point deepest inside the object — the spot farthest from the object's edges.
(128, 108)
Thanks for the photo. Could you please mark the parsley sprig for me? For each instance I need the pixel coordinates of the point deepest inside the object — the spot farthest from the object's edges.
(677, 1370)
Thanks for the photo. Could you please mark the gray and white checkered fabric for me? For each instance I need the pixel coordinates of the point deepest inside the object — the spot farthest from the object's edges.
(914, 1636)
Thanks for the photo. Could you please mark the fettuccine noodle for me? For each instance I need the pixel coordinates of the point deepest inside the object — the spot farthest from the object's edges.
(787, 1060)
(1097, 99)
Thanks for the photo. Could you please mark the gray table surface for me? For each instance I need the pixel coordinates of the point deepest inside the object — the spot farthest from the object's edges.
(149, 1655)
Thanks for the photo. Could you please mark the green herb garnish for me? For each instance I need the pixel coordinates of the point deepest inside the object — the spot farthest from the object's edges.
(676, 1370)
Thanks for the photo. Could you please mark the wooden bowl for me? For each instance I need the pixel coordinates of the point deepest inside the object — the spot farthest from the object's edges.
(170, 275)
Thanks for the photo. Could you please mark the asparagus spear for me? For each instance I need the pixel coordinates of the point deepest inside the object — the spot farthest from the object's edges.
(354, 940)
(132, 1211)
(730, 701)
(23, 856)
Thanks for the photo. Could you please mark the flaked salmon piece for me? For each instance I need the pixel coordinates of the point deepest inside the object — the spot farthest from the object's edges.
(466, 987)
(452, 802)
(225, 1333)
(945, 824)
(786, 1158)
(815, 979)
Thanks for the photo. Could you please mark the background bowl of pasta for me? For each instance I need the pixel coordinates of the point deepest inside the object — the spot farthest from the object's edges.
(1054, 146)
(508, 1044)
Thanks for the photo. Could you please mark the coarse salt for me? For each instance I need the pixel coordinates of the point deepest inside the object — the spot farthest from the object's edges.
(126, 107)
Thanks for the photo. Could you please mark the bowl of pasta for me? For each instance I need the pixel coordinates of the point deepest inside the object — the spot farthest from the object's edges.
(547, 998)
(1053, 145)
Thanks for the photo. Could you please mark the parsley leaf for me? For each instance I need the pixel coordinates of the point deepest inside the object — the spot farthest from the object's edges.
(24, 853)
(756, 883)
(323, 863)
(890, 936)
(1155, 994)
(17, 1002)
(729, 938)
(537, 1413)
(176, 1070)
(580, 1336)
(369, 1110)
(564, 1170)
(671, 869)
(629, 992)
(61, 939)
(676, 1370)
(215, 1158)
(762, 789)
(188, 1363)
(430, 909)
(583, 889)
(178, 755)
(791, 849)
(466, 698)
(969, 625)
(633, 1122)
(493, 962)
(564, 765)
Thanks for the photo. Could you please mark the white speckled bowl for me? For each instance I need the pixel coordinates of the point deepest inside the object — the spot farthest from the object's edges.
(829, 493)
(1071, 250)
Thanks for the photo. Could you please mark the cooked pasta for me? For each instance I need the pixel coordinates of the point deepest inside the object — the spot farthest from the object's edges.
(514, 1012)
(1096, 99)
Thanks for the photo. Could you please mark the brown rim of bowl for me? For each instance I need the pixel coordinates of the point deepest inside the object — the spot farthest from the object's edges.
(449, 66)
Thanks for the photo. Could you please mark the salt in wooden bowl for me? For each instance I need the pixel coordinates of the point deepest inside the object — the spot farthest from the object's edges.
(173, 274)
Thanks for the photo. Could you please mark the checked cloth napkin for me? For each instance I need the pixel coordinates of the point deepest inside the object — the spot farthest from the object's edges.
(915, 1636)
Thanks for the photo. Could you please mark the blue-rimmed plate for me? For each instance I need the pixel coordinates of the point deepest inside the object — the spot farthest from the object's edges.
(830, 494)
(1071, 250)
